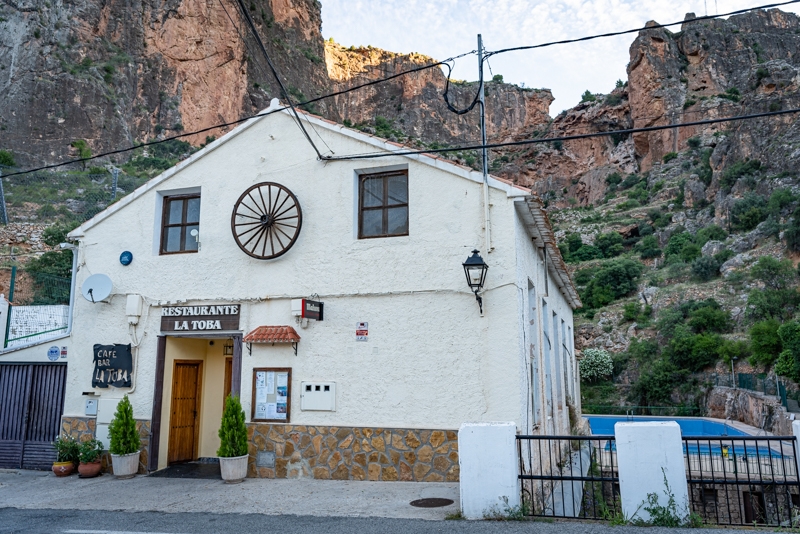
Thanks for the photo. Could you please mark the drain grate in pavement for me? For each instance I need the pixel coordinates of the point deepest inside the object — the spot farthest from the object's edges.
(431, 502)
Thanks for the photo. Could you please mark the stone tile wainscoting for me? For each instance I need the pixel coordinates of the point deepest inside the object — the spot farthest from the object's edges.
(82, 429)
(347, 453)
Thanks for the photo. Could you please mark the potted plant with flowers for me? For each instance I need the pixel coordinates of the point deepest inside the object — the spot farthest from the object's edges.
(66, 455)
(233, 442)
(124, 441)
(89, 456)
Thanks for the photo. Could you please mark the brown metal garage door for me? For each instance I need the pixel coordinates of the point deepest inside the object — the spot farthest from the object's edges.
(31, 404)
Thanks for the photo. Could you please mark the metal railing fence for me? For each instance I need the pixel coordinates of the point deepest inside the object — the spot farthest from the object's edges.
(568, 476)
(745, 480)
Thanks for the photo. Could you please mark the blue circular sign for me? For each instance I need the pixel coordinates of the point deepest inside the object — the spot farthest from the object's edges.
(53, 353)
(126, 258)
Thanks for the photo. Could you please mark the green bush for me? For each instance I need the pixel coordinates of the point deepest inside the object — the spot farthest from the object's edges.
(613, 280)
(765, 342)
(690, 252)
(737, 170)
(122, 434)
(704, 171)
(648, 247)
(586, 253)
(669, 156)
(780, 199)
(7, 159)
(705, 268)
(748, 212)
(693, 351)
(656, 383)
(676, 243)
(693, 142)
(588, 97)
(613, 180)
(774, 273)
(709, 233)
(788, 363)
(610, 244)
(709, 317)
(779, 299)
(232, 430)
(792, 234)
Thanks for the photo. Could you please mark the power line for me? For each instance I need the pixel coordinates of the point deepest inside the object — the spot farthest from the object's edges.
(628, 131)
(260, 43)
(625, 32)
(239, 121)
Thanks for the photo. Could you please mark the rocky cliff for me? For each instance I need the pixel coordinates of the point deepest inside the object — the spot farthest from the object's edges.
(114, 73)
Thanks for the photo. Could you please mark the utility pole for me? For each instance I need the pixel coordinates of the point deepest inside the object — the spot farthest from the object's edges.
(3, 212)
(482, 101)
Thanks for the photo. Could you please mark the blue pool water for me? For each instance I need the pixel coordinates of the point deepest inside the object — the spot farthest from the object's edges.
(604, 425)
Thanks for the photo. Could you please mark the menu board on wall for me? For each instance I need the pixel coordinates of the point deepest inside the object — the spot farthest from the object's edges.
(272, 388)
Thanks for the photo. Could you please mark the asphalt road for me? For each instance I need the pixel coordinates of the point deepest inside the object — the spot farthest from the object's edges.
(48, 521)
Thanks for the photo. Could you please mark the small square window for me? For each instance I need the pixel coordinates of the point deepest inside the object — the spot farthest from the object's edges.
(383, 205)
(180, 224)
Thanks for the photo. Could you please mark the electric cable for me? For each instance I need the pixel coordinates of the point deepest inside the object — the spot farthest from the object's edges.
(239, 121)
(260, 43)
(625, 32)
(374, 155)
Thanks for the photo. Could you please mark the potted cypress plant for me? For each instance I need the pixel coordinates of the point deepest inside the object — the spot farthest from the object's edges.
(89, 456)
(124, 441)
(66, 455)
(233, 442)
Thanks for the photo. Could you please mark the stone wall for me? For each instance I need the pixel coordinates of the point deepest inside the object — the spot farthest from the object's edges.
(82, 429)
(749, 407)
(346, 453)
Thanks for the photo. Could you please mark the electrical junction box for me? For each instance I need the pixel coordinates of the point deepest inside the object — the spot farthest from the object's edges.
(318, 396)
(297, 307)
(91, 407)
(133, 305)
(105, 413)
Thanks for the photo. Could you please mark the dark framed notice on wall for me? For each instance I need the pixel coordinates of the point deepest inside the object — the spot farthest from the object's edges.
(272, 391)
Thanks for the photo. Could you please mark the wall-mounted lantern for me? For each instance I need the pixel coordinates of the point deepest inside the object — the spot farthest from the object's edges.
(475, 269)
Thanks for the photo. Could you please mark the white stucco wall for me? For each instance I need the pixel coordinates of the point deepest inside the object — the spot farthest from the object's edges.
(531, 282)
(431, 360)
(650, 461)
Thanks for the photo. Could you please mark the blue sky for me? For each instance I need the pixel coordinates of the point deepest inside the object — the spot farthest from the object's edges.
(449, 27)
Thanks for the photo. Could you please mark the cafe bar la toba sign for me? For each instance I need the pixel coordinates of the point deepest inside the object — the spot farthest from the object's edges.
(200, 318)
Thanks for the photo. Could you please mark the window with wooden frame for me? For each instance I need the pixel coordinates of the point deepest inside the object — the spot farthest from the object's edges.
(383, 204)
(272, 394)
(180, 224)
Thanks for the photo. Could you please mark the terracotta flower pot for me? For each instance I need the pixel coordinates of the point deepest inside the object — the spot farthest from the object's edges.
(233, 470)
(63, 469)
(125, 465)
(90, 470)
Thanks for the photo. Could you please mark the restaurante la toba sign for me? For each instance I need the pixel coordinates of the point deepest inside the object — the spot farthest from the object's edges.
(200, 318)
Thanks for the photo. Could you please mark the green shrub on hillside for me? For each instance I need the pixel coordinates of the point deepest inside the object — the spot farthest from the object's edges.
(765, 342)
(610, 244)
(595, 365)
(7, 159)
(748, 212)
(779, 298)
(648, 247)
(705, 268)
(613, 280)
(737, 170)
(709, 233)
(788, 363)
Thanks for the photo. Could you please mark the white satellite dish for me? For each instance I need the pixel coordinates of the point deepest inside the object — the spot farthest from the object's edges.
(96, 288)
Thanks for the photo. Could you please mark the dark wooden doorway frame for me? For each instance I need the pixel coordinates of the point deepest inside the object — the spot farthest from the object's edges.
(158, 387)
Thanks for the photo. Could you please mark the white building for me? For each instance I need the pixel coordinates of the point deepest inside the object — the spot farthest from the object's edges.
(402, 356)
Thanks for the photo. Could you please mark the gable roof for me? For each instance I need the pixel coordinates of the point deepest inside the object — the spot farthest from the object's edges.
(537, 220)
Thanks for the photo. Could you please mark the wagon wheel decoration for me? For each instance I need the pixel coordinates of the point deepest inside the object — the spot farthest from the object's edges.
(266, 220)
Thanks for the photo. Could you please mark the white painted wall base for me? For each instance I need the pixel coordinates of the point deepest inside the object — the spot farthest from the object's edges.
(487, 457)
(796, 434)
(647, 455)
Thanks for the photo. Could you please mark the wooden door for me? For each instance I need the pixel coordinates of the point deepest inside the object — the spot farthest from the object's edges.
(228, 379)
(184, 424)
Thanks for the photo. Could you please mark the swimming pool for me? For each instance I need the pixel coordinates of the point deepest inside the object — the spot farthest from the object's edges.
(603, 425)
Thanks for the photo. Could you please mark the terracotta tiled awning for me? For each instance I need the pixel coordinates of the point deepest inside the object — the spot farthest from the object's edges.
(272, 334)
